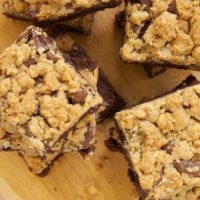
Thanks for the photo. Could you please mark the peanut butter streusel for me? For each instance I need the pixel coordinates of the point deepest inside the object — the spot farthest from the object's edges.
(161, 139)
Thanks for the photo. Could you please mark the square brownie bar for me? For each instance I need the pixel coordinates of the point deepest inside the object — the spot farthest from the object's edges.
(48, 11)
(163, 32)
(42, 96)
(161, 141)
(151, 70)
(82, 137)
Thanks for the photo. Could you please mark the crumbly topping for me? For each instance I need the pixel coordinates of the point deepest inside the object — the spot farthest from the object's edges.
(162, 139)
(88, 68)
(74, 141)
(42, 95)
(162, 32)
(51, 9)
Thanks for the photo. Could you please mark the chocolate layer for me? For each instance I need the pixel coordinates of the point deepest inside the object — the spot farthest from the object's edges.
(113, 102)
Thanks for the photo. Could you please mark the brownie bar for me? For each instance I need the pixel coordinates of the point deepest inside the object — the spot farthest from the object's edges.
(160, 139)
(47, 11)
(42, 96)
(82, 138)
(88, 68)
(112, 101)
(151, 70)
(163, 32)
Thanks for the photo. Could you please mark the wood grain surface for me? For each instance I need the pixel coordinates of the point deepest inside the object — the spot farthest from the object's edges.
(104, 177)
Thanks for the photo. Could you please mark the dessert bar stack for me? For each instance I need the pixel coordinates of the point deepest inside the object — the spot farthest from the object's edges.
(164, 34)
(51, 98)
(160, 139)
(73, 15)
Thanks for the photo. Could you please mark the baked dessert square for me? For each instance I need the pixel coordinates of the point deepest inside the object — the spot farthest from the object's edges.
(42, 95)
(161, 141)
(163, 32)
(151, 70)
(82, 137)
(48, 11)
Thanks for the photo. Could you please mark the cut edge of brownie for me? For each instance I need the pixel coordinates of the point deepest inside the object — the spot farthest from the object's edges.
(78, 13)
(190, 80)
(116, 145)
(120, 19)
(113, 101)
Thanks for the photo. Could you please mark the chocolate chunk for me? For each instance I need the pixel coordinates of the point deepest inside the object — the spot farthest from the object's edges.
(25, 37)
(52, 57)
(80, 59)
(78, 97)
(135, 27)
(172, 7)
(188, 166)
(27, 130)
(144, 28)
(89, 136)
(169, 147)
(112, 145)
(54, 94)
(67, 58)
(41, 43)
(30, 62)
(189, 81)
(39, 79)
(120, 18)
(160, 179)
(147, 3)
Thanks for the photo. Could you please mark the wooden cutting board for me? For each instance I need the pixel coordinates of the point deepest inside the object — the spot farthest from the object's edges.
(104, 177)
